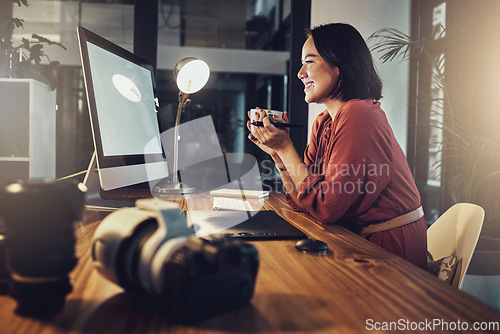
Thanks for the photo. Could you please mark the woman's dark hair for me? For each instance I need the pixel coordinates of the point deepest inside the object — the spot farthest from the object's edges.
(341, 45)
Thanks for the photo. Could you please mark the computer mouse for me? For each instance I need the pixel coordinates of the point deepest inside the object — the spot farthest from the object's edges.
(312, 246)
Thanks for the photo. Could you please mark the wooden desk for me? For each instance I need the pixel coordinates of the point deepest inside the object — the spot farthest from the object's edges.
(346, 291)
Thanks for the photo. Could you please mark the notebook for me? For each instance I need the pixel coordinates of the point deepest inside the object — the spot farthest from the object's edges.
(240, 193)
(246, 225)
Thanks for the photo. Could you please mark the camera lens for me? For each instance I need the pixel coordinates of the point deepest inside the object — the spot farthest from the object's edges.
(39, 220)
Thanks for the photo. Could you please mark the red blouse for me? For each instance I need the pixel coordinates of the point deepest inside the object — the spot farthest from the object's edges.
(360, 175)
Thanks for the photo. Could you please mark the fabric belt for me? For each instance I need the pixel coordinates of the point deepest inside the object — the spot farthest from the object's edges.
(402, 220)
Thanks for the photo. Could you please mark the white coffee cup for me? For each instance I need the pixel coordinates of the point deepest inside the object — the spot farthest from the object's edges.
(269, 113)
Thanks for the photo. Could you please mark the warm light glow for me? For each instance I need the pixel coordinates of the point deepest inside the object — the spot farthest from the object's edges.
(192, 76)
(14, 188)
(127, 88)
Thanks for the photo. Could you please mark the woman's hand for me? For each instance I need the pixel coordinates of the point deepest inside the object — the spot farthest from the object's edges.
(269, 138)
(277, 143)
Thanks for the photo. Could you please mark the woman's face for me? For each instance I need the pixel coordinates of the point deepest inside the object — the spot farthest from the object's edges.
(318, 77)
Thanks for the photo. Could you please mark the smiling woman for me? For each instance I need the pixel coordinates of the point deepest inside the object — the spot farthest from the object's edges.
(353, 172)
(320, 78)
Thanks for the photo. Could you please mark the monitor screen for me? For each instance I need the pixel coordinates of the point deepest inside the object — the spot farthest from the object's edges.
(123, 107)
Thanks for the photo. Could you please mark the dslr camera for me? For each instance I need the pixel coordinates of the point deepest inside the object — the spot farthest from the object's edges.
(150, 251)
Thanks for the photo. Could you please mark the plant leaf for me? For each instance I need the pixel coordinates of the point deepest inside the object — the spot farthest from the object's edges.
(42, 39)
(17, 23)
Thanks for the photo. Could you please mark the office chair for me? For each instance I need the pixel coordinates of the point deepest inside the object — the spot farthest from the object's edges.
(455, 233)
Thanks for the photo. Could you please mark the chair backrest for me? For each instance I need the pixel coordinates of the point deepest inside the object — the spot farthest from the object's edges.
(456, 232)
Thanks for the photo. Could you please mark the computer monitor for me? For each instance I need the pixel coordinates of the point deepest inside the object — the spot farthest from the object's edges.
(123, 110)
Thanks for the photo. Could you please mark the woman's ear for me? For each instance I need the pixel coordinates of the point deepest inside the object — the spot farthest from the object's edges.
(337, 72)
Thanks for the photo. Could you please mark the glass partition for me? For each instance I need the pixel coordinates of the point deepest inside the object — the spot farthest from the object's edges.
(245, 43)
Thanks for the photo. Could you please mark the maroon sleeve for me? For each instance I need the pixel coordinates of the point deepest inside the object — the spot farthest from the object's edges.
(292, 204)
(312, 147)
(357, 165)
(309, 154)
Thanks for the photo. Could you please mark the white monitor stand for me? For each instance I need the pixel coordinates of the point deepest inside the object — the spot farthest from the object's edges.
(94, 200)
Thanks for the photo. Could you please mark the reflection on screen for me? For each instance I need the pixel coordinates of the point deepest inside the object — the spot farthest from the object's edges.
(125, 105)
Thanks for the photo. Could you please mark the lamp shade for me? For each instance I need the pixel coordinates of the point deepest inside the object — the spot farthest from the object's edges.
(191, 74)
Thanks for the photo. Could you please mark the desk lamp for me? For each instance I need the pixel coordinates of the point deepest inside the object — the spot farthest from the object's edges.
(191, 74)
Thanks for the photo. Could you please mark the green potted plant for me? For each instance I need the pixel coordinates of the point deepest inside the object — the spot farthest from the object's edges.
(26, 59)
(468, 158)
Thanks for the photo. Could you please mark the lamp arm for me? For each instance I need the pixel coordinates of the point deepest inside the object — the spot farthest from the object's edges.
(182, 100)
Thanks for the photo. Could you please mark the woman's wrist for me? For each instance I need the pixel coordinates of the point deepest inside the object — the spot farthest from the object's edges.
(280, 168)
(277, 149)
(275, 156)
(277, 159)
(286, 150)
